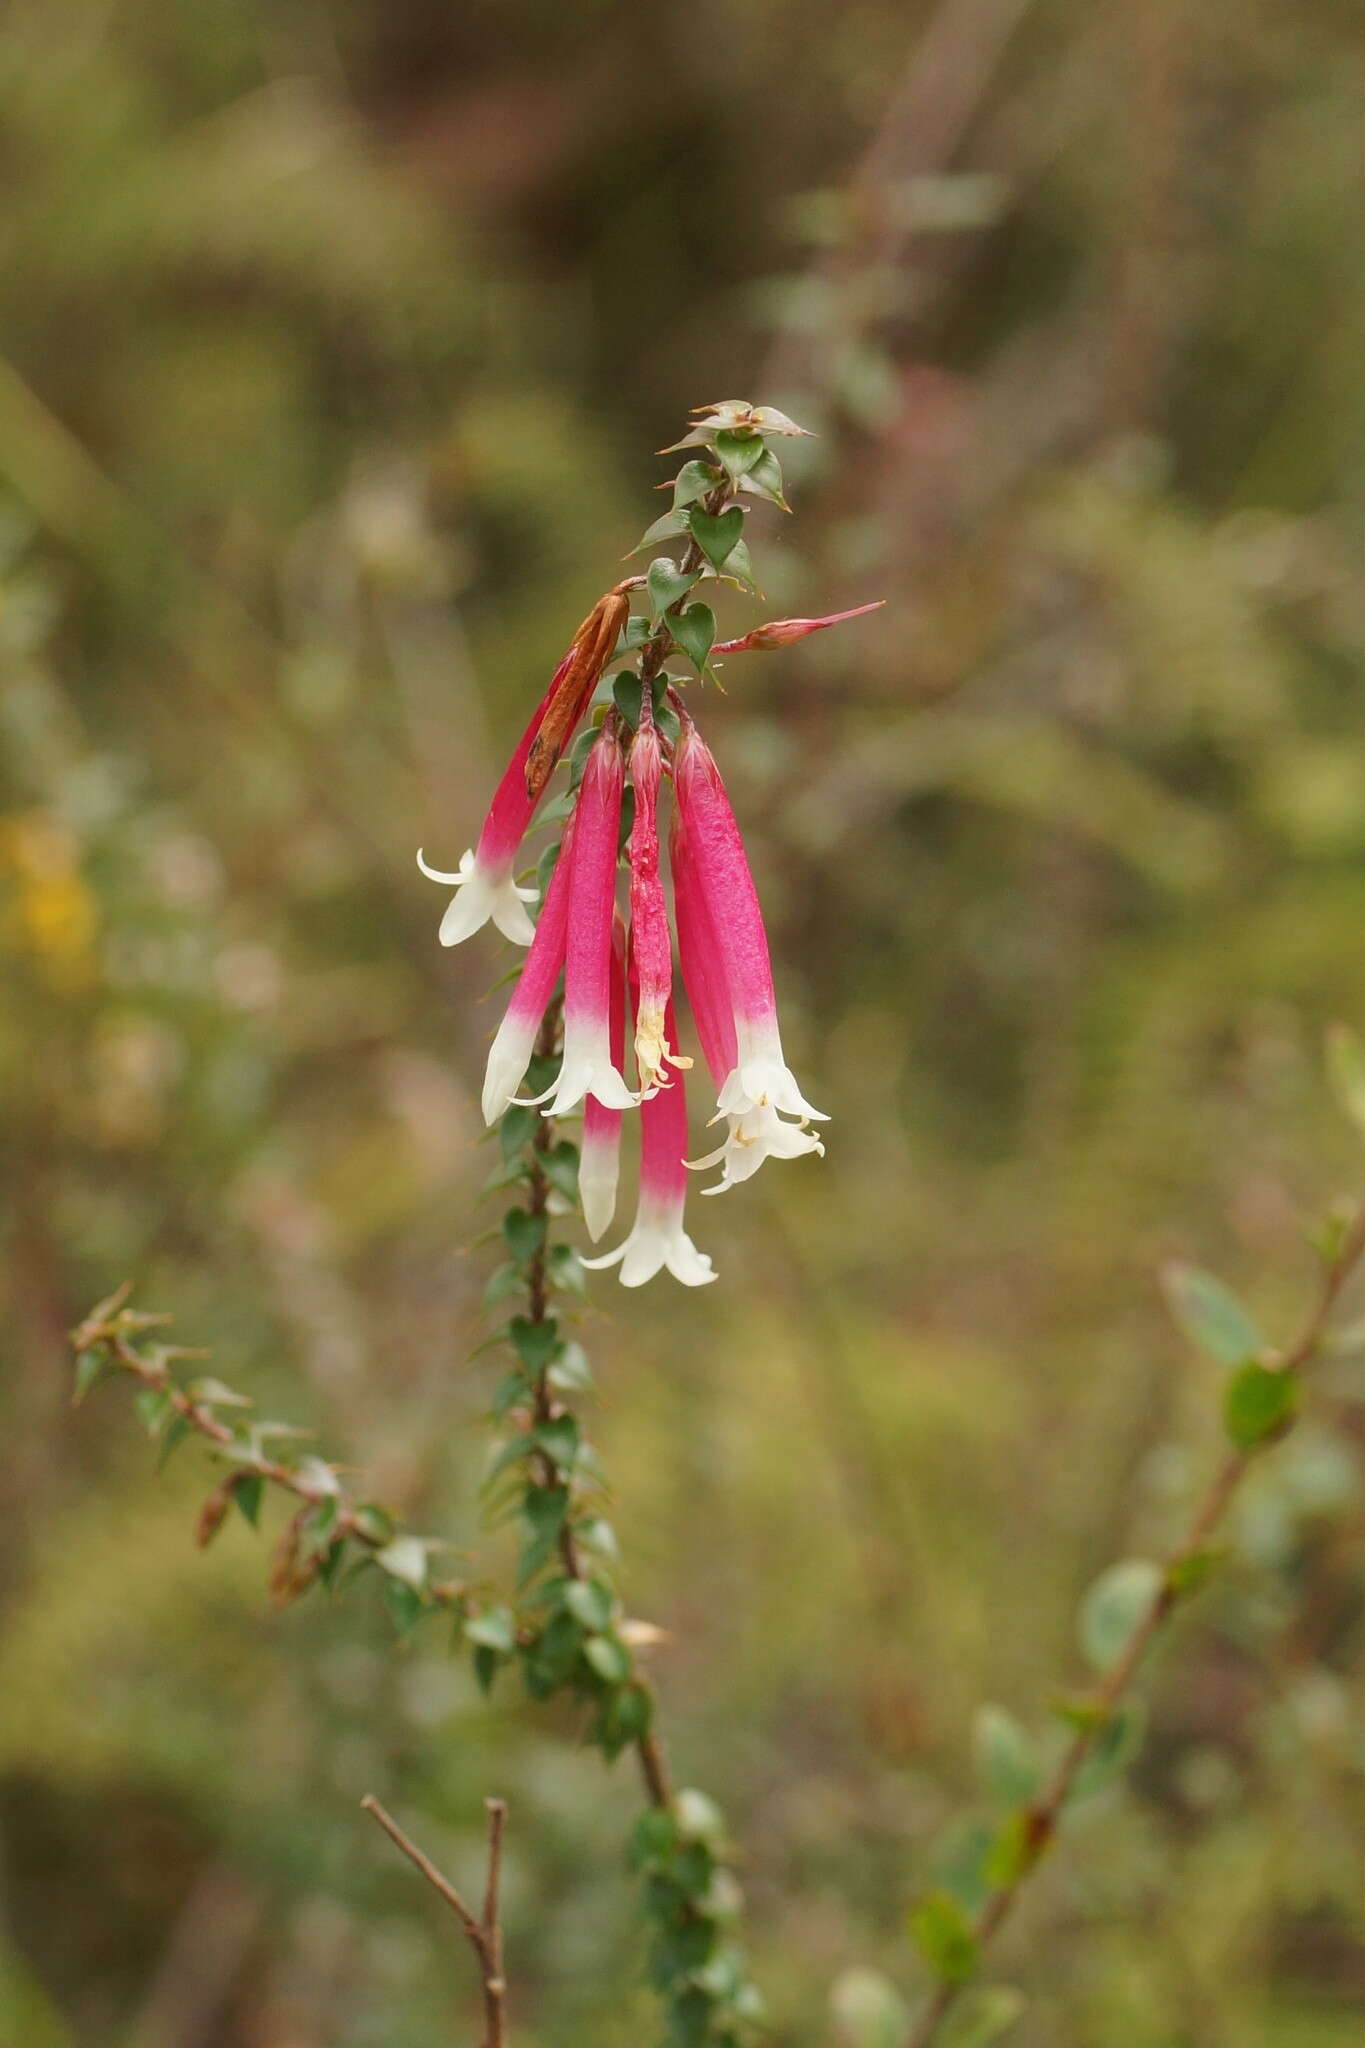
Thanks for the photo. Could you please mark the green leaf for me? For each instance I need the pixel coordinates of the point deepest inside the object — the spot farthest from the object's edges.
(174, 1434)
(717, 535)
(1016, 1845)
(1210, 1314)
(1259, 1404)
(764, 480)
(214, 1394)
(153, 1405)
(959, 1860)
(571, 1372)
(624, 1717)
(669, 526)
(694, 629)
(1113, 1607)
(247, 1489)
(695, 480)
(517, 1126)
(666, 582)
(652, 1839)
(405, 1604)
(560, 1167)
(739, 452)
(91, 1368)
(868, 2011)
(981, 2015)
(404, 1559)
(1006, 1760)
(627, 692)
(559, 1439)
(534, 1343)
(515, 1451)
(373, 1523)
(597, 1535)
(315, 1530)
(512, 1390)
(740, 569)
(494, 1629)
(1114, 1748)
(503, 1282)
(590, 1601)
(548, 1660)
(564, 1270)
(524, 1233)
(1346, 1071)
(544, 1508)
(943, 1935)
(609, 1658)
(487, 1664)
(1187, 1574)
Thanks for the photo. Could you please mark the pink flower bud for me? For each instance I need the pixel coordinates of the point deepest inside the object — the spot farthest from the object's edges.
(781, 632)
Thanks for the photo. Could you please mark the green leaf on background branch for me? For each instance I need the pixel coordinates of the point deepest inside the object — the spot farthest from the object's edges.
(943, 1935)
(1260, 1403)
(868, 2011)
(1007, 1763)
(1210, 1314)
(1114, 1748)
(1346, 1071)
(1113, 1607)
(982, 2015)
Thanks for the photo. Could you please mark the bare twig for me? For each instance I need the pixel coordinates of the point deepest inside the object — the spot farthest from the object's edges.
(1042, 1815)
(484, 1934)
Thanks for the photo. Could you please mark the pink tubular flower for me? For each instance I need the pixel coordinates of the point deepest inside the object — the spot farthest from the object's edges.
(781, 632)
(483, 881)
(600, 1158)
(657, 1238)
(510, 1052)
(760, 1077)
(650, 945)
(587, 1067)
(484, 877)
(755, 1134)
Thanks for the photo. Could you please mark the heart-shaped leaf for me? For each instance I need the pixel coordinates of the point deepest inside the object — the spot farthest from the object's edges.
(717, 535)
(668, 527)
(764, 480)
(739, 452)
(694, 630)
(694, 480)
(666, 582)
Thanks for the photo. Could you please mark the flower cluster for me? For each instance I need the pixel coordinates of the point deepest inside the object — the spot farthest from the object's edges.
(617, 976)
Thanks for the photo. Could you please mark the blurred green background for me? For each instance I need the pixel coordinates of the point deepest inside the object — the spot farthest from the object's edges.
(336, 338)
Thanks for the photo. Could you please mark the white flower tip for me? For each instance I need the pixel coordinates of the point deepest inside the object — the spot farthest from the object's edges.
(597, 1193)
(480, 896)
(440, 875)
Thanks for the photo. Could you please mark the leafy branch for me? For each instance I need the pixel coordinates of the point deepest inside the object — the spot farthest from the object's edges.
(326, 1530)
(1127, 1608)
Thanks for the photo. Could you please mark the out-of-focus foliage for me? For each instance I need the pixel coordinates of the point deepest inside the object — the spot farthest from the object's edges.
(332, 336)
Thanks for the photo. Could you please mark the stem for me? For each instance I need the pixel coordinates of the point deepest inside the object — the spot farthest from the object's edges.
(484, 1934)
(1042, 1815)
(648, 1748)
(661, 639)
